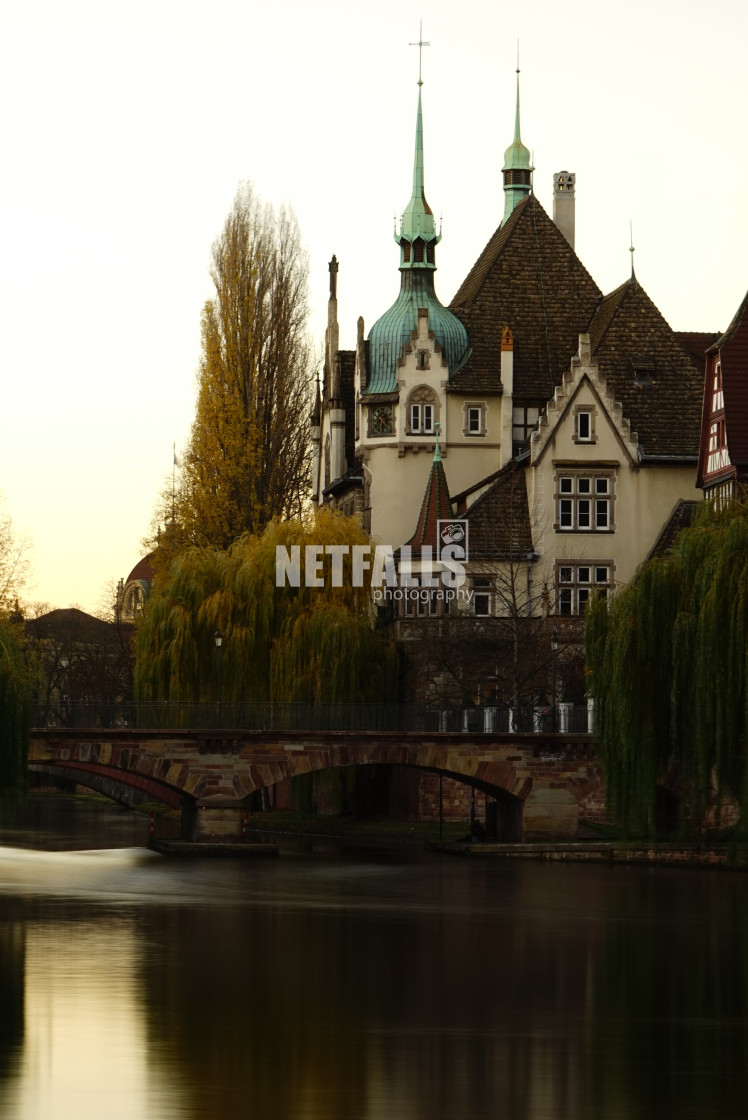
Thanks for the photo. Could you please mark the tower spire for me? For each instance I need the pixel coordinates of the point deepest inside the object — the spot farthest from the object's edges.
(517, 169)
(418, 236)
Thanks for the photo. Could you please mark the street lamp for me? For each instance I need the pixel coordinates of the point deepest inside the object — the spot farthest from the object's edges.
(554, 651)
(218, 639)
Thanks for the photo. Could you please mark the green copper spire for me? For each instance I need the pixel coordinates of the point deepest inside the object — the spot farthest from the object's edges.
(517, 167)
(418, 237)
(394, 330)
(418, 218)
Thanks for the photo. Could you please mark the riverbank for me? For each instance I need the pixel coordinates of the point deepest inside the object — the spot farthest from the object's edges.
(731, 857)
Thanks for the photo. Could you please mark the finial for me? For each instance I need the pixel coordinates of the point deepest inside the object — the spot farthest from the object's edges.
(437, 452)
(420, 44)
(631, 247)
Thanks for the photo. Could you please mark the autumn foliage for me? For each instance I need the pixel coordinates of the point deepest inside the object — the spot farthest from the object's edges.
(279, 643)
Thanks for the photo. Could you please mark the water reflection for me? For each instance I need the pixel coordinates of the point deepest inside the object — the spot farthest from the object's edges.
(359, 986)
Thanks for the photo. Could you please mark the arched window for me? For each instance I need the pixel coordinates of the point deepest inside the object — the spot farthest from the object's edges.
(422, 412)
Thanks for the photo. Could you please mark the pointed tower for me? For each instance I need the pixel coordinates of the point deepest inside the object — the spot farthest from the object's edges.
(517, 168)
(436, 506)
(391, 334)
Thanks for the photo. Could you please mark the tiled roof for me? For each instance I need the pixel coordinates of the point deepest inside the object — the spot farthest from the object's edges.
(499, 520)
(628, 335)
(436, 505)
(681, 518)
(697, 343)
(529, 278)
(143, 570)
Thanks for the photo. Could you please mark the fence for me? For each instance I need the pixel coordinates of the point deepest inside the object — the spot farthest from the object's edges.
(249, 716)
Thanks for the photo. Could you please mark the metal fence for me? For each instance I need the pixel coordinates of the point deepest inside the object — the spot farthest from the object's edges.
(249, 716)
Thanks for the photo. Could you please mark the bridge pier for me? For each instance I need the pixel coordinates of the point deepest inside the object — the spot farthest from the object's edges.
(217, 821)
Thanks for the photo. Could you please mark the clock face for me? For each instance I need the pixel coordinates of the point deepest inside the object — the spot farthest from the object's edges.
(381, 421)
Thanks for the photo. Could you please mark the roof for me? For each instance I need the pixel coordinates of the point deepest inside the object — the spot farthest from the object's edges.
(71, 624)
(436, 506)
(629, 336)
(143, 570)
(681, 518)
(529, 278)
(697, 342)
(499, 519)
(393, 331)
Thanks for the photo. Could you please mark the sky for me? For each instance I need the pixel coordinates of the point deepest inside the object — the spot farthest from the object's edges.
(127, 129)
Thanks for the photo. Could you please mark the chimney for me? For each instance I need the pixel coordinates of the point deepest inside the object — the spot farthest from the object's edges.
(563, 203)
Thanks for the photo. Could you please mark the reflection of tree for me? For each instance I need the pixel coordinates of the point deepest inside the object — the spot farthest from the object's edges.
(347, 1000)
(668, 1031)
(12, 978)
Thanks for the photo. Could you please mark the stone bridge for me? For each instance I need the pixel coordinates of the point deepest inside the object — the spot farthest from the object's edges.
(537, 780)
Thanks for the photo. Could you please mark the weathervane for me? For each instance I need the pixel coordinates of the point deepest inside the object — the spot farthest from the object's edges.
(631, 245)
(420, 44)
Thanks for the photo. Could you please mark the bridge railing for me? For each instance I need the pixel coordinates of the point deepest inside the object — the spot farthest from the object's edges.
(257, 716)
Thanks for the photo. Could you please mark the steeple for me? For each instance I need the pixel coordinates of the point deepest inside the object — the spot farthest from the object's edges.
(517, 167)
(436, 506)
(418, 237)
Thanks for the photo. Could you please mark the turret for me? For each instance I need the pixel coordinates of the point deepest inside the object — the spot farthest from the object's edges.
(517, 168)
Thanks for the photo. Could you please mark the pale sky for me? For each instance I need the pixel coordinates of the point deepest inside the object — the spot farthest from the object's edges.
(127, 128)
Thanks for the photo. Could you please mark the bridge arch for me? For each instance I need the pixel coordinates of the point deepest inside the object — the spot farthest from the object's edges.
(538, 780)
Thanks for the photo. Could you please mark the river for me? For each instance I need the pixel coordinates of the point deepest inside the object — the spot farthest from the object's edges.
(341, 984)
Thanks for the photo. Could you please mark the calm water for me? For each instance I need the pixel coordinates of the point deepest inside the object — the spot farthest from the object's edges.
(361, 985)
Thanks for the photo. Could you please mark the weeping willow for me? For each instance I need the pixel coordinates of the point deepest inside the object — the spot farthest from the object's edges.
(15, 716)
(280, 644)
(667, 660)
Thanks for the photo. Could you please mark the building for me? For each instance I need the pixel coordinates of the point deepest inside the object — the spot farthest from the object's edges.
(723, 452)
(568, 420)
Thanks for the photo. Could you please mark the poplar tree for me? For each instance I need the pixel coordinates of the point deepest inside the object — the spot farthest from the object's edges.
(247, 459)
(667, 660)
(280, 644)
(15, 714)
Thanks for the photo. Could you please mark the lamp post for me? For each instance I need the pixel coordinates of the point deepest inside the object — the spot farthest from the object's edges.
(554, 651)
(218, 639)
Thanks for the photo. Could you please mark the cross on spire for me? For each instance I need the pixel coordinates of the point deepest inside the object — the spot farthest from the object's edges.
(420, 44)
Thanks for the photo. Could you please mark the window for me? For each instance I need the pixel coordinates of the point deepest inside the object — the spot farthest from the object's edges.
(576, 582)
(422, 412)
(584, 503)
(583, 426)
(718, 397)
(474, 419)
(422, 359)
(482, 598)
(421, 418)
(718, 454)
(420, 602)
(524, 421)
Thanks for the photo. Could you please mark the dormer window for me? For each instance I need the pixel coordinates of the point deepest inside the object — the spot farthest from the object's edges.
(644, 369)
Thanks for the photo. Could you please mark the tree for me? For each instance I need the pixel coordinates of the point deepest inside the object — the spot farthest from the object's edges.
(285, 643)
(15, 713)
(14, 562)
(247, 459)
(667, 660)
